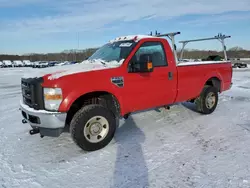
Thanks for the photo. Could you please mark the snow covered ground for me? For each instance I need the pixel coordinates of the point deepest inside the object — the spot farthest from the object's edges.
(158, 148)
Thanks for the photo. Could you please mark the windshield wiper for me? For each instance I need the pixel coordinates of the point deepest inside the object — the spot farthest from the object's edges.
(99, 60)
(103, 62)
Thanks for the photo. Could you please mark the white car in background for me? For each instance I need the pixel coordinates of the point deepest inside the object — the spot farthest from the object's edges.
(40, 64)
(18, 63)
(27, 63)
(43, 64)
(35, 64)
(7, 63)
(63, 63)
(1, 64)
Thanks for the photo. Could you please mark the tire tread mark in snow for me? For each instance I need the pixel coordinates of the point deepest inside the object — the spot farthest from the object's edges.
(245, 126)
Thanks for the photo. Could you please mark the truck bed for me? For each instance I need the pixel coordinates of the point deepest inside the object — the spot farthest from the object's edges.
(192, 77)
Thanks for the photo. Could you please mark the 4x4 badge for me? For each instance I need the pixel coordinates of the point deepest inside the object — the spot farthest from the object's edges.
(119, 81)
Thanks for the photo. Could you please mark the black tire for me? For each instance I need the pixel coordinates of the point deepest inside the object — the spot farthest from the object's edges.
(201, 101)
(243, 66)
(80, 120)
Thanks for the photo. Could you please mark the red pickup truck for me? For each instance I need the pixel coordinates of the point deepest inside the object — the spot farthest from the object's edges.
(126, 75)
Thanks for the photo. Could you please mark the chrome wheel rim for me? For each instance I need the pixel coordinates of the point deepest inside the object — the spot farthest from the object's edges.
(210, 100)
(96, 129)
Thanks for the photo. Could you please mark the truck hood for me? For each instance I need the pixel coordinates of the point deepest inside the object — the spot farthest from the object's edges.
(85, 66)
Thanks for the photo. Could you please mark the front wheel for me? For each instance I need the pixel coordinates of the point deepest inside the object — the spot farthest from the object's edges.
(93, 127)
(208, 100)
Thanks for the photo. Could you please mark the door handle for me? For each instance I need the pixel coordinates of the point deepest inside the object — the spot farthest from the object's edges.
(170, 75)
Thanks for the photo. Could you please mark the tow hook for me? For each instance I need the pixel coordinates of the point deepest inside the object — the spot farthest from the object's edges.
(126, 116)
(167, 107)
(34, 131)
(24, 121)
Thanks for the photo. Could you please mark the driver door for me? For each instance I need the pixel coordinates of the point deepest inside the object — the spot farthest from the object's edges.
(145, 90)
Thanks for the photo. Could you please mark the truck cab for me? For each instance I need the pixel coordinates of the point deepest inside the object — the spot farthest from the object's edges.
(128, 74)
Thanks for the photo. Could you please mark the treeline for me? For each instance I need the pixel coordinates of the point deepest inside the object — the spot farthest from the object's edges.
(72, 55)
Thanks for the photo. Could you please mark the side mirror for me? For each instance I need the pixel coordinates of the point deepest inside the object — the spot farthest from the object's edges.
(147, 66)
(143, 66)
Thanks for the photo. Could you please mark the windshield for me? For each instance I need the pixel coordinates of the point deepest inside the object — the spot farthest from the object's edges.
(116, 51)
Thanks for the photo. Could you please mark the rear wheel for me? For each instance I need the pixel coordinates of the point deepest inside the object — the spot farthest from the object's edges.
(93, 127)
(208, 100)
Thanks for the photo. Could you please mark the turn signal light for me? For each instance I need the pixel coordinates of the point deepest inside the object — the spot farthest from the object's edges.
(53, 97)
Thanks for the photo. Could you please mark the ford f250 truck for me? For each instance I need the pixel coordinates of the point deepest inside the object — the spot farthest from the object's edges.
(126, 75)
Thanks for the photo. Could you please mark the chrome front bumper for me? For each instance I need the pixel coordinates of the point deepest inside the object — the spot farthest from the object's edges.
(49, 123)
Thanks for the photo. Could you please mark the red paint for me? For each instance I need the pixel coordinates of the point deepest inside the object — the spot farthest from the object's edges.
(143, 91)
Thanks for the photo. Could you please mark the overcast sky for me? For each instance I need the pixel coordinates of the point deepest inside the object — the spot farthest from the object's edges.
(28, 26)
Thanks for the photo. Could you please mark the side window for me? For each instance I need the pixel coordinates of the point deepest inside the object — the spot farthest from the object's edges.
(153, 51)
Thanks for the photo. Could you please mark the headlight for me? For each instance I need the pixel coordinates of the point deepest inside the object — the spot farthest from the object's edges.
(52, 98)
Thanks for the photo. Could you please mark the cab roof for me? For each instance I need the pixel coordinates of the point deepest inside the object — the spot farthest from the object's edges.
(131, 37)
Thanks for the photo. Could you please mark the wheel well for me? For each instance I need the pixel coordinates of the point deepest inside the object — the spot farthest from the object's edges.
(215, 82)
(104, 98)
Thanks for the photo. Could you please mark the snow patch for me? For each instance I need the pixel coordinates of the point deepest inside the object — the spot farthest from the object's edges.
(127, 44)
(200, 63)
(131, 37)
(245, 181)
(85, 66)
(201, 151)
